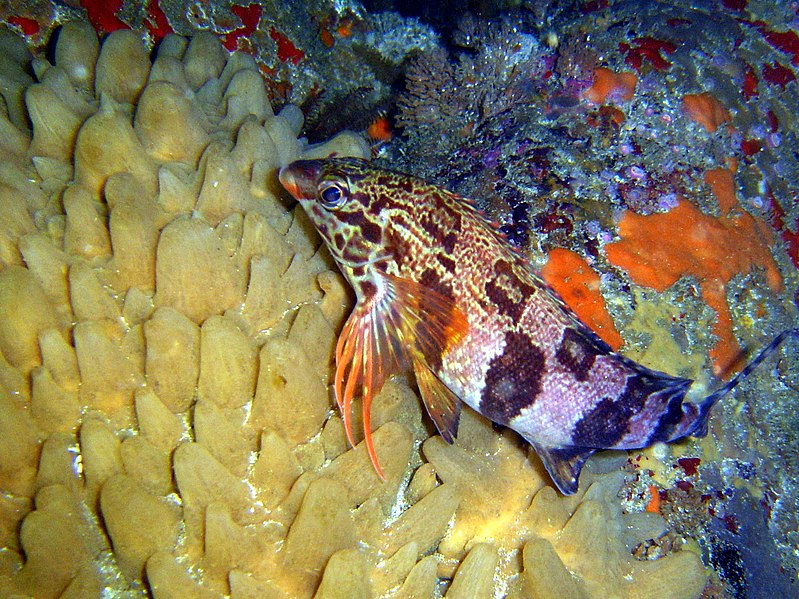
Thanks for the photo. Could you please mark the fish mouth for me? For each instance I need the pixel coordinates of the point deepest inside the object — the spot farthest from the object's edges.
(300, 178)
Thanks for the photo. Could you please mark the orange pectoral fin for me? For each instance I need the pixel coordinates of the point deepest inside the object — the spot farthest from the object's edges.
(404, 322)
(373, 379)
(367, 353)
(345, 360)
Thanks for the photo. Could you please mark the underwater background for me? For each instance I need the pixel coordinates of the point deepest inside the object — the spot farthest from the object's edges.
(168, 314)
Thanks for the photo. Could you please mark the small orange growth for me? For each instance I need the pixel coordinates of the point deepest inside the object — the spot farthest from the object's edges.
(326, 37)
(607, 116)
(722, 184)
(578, 284)
(345, 28)
(607, 84)
(706, 110)
(658, 249)
(653, 505)
(380, 129)
(612, 115)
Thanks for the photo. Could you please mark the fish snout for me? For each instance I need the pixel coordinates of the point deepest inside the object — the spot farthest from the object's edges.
(300, 178)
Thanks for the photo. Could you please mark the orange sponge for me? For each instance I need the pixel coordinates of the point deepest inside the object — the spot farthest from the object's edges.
(578, 284)
(608, 84)
(656, 250)
(706, 110)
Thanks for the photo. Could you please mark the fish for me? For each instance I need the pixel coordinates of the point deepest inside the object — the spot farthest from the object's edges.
(441, 292)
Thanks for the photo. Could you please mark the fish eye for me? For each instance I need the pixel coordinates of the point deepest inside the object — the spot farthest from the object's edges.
(333, 194)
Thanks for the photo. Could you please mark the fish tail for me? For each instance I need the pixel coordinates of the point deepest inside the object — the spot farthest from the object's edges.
(704, 406)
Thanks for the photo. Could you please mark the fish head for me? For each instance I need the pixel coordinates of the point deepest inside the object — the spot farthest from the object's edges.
(341, 199)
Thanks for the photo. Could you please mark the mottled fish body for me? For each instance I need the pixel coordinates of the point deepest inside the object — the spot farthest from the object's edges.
(440, 291)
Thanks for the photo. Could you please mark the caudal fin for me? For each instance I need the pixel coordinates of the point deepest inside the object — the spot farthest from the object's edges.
(706, 404)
